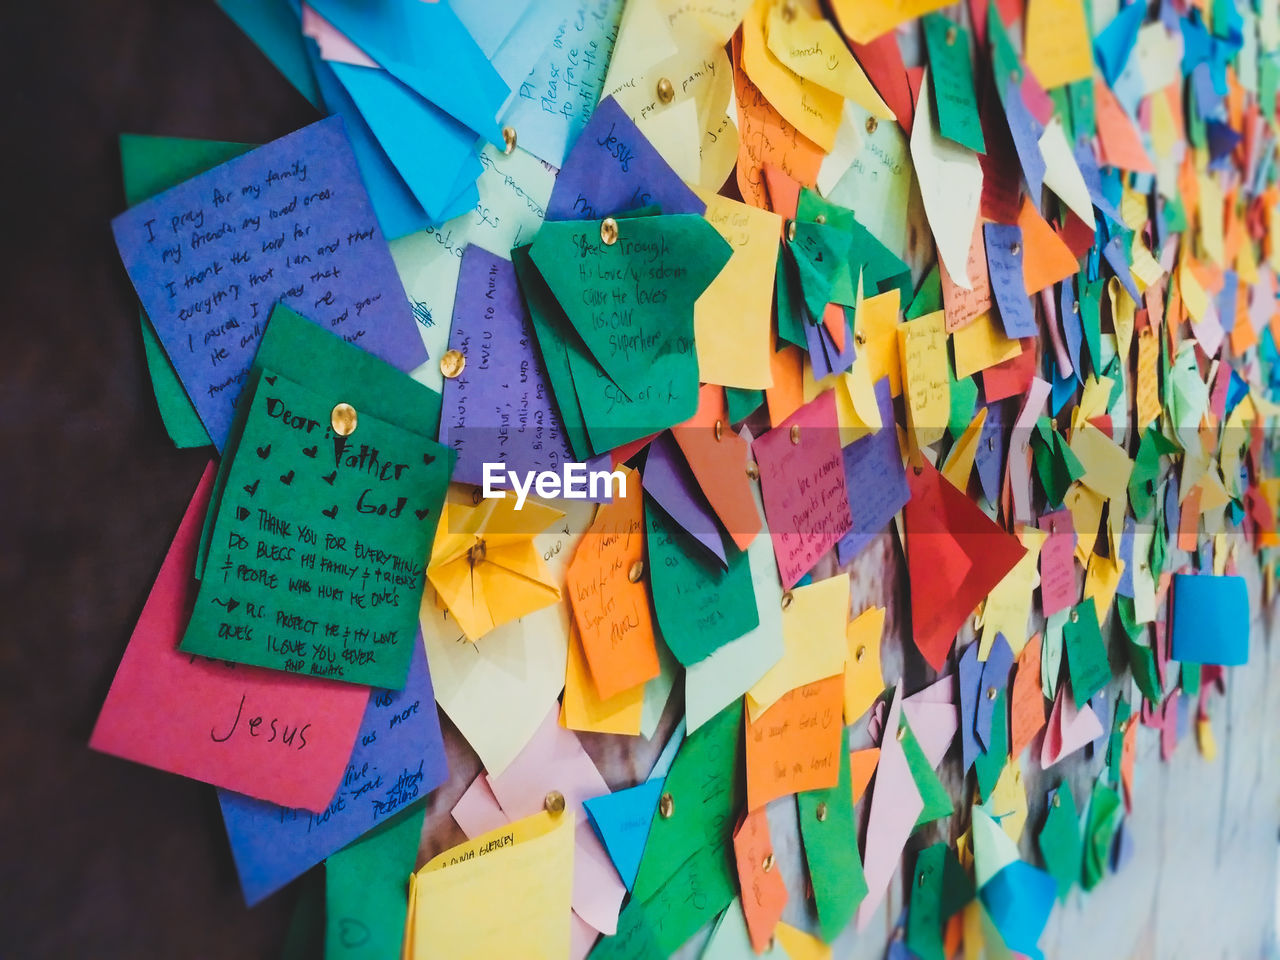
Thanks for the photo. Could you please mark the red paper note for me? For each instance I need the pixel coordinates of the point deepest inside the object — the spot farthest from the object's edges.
(271, 735)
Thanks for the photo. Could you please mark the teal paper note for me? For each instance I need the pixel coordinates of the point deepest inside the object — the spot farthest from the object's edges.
(830, 836)
(951, 76)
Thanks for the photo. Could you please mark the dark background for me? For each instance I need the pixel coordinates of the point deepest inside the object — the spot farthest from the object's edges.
(100, 857)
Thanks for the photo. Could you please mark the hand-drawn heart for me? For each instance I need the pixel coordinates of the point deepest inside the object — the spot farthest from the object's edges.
(242, 513)
(270, 380)
(286, 478)
(309, 452)
(422, 514)
(264, 452)
(251, 488)
(330, 477)
(428, 459)
(331, 512)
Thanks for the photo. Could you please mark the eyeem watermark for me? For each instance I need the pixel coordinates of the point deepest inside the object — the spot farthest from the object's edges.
(573, 482)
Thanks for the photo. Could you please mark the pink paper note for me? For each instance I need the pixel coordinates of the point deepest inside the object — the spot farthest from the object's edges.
(1057, 563)
(1068, 730)
(555, 760)
(1020, 449)
(802, 483)
(200, 718)
(895, 804)
(934, 724)
(477, 810)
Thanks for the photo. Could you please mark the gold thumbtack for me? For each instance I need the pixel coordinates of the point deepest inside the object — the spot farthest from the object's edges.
(509, 138)
(753, 471)
(992, 693)
(666, 92)
(902, 734)
(343, 419)
(1075, 616)
(795, 433)
(951, 36)
(553, 802)
(477, 552)
(666, 806)
(786, 599)
(636, 571)
(860, 338)
(452, 364)
(1057, 800)
(821, 811)
(860, 654)
(609, 231)
(820, 219)
(1015, 248)
(871, 124)
(719, 429)
(767, 864)
(791, 230)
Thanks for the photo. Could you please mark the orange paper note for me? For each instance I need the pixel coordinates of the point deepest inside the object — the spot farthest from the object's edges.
(1027, 708)
(608, 595)
(764, 894)
(1046, 258)
(795, 744)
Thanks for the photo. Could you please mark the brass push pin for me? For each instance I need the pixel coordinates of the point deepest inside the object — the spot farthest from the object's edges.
(343, 419)
(666, 806)
(452, 363)
(821, 811)
(791, 230)
(609, 231)
(795, 433)
(636, 571)
(753, 471)
(871, 124)
(553, 802)
(509, 138)
(666, 92)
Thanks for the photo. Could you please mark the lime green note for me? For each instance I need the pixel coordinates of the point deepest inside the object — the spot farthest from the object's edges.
(1087, 661)
(937, 802)
(366, 890)
(1059, 840)
(1105, 814)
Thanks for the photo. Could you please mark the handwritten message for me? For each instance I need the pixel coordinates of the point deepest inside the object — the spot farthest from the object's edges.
(795, 744)
(398, 757)
(291, 222)
(1004, 264)
(316, 560)
(802, 482)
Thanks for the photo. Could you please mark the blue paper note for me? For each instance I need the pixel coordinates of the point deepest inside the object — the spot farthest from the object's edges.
(1210, 619)
(1025, 130)
(275, 28)
(824, 356)
(874, 478)
(1072, 329)
(1004, 264)
(555, 101)
(995, 678)
(668, 479)
(288, 222)
(1019, 899)
(969, 678)
(613, 168)
(398, 757)
(499, 409)
(621, 821)
(992, 445)
(1125, 586)
(1113, 46)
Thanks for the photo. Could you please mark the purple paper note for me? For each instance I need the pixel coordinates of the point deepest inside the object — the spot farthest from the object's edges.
(825, 357)
(1114, 251)
(1026, 131)
(612, 168)
(499, 409)
(995, 676)
(1072, 330)
(969, 680)
(1227, 300)
(992, 443)
(1004, 265)
(288, 222)
(1125, 585)
(398, 757)
(875, 479)
(668, 479)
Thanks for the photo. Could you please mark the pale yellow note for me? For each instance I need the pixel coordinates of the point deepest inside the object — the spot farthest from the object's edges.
(1086, 513)
(583, 709)
(1057, 42)
(1209, 210)
(876, 336)
(811, 48)
(731, 319)
(864, 20)
(922, 344)
(800, 945)
(813, 639)
(1007, 804)
(1106, 465)
(981, 344)
(506, 893)
(1100, 582)
(960, 458)
(811, 109)
(1123, 310)
(1008, 606)
(1148, 378)
(863, 677)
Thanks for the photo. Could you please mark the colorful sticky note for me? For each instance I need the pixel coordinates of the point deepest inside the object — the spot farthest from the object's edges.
(399, 757)
(813, 637)
(1057, 42)
(764, 893)
(1210, 619)
(951, 72)
(796, 744)
(1059, 840)
(875, 479)
(863, 678)
(621, 819)
(830, 836)
(290, 220)
(1086, 652)
(280, 739)
(1004, 263)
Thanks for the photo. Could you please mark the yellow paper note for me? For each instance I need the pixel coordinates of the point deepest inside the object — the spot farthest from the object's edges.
(922, 344)
(811, 48)
(582, 708)
(813, 640)
(506, 893)
(800, 945)
(1106, 466)
(1123, 309)
(811, 109)
(864, 20)
(863, 678)
(1057, 42)
(960, 459)
(1148, 378)
(1008, 801)
(731, 318)
(1210, 214)
(876, 335)
(1008, 606)
(1100, 582)
(1086, 514)
(980, 345)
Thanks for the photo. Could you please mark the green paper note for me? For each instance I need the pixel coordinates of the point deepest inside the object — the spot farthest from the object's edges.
(151, 165)
(742, 403)
(304, 937)
(1083, 117)
(924, 916)
(951, 76)
(707, 790)
(318, 543)
(1059, 840)
(937, 802)
(366, 890)
(964, 397)
(1142, 659)
(820, 253)
(990, 764)
(831, 851)
(1087, 661)
(789, 301)
(1004, 59)
(1146, 470)
(928, 299)
(880, 267)
(1115, 742)
(630, 299)
(1105, 813)
(700, 605)
(1091, 319)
